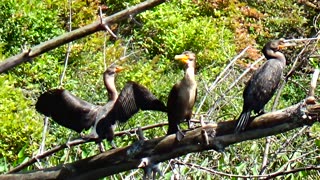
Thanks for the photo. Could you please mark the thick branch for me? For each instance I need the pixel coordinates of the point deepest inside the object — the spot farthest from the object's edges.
(164, 148)
(75, 143)
(76, 34)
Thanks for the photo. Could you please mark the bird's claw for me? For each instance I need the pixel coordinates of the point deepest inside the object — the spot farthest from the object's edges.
(113, 145)
(202, 123)
(149, 168)
(179, 135)
(101, 147)
(190, 124)
(205, 136)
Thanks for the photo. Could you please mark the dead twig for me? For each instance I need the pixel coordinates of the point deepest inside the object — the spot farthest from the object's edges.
(219, 78)
(267, 176)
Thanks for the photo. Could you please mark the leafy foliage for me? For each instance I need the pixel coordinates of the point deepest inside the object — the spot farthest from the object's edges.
(18, 125)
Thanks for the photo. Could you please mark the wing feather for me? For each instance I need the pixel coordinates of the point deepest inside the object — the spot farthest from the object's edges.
(67, 109)
(132, 98)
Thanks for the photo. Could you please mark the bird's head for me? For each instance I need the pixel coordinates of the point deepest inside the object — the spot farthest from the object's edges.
(187, 57)
(272, 48)
(279, 44)
(113, 69)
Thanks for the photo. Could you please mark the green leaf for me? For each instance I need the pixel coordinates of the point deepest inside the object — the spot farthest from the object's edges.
(317, 142)
(240, 168)
(21, 153)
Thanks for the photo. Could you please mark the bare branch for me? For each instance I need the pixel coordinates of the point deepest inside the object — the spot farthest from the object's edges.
(314, 82)
(218, 79)
(76, 34)
(284, 145)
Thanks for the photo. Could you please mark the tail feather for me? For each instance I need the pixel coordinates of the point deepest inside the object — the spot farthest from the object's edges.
(243, 121)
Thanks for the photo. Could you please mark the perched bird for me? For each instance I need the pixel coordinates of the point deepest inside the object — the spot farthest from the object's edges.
(263, 83)
(77, 114)
(182, 96)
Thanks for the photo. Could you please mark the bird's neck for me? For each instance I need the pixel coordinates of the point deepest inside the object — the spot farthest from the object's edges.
(189, 76)
(279, 56)
(282, 59)
(111, 88)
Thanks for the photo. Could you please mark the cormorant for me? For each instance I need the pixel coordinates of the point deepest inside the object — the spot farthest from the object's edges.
(182, 96)
(263, 83)
(77, 114)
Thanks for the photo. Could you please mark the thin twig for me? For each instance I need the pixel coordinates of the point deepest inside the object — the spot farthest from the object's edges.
(104, 51)
(244, 73)
(43, 141)
(46, 123)
(235, 82)
(267, 176)
(130, 54)
(301, 39)
(104, 25)
(314, 82)
(284, 145)
(265, 155)
(69, 45)
(214, 84)
(285, 166)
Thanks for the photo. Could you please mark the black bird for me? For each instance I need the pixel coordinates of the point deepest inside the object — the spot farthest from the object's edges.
(77, 114)
(182, 96)
(263, 83)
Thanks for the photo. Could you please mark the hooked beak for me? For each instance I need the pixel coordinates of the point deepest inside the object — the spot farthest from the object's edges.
(119, 69)
(282, 46)
(286, 43)
(184, 58)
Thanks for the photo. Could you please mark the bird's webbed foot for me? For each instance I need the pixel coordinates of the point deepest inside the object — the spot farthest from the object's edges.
(202, 123)
(179, 135)
(261, 112)
(150, 169)
(113, 145)
(101, 147)
(190, 124)
(88, 136)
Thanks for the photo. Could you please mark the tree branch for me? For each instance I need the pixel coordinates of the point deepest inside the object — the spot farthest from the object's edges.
(76, 34)
(157, 150)
(75, 143)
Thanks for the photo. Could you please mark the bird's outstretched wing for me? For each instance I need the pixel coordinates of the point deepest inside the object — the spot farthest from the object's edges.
(67, 109)
(132, 98)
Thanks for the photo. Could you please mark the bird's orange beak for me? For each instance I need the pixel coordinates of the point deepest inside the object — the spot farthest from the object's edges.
(184, 58)
(119, 69)
(284, 45)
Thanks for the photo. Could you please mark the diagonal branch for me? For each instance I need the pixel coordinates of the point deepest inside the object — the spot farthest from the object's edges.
(164, 148)
(76, 34)
(74, 143)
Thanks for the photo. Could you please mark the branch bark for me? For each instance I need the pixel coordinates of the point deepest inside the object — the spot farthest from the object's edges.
(157, 150)
(74, 143)
(76, 34)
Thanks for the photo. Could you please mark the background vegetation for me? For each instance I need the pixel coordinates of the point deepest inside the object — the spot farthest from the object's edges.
(215, 30)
